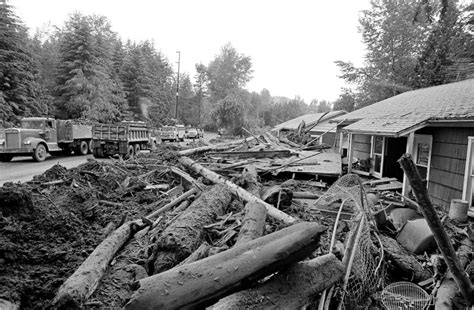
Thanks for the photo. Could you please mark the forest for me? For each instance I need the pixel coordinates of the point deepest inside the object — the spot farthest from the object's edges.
(84, 70)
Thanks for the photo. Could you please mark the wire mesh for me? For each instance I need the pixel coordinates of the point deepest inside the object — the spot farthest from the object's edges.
(404, 295)
(365, 275)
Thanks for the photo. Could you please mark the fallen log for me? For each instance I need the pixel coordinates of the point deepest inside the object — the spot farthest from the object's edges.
(204, 281)
(250, 176)
(83, 282)
(200, 253)
(237, 190)
(173, 203)
(448, 288)
(300, 283)
(404, 261)
(278, 196)
(216, 147)
(442, 239)
(185, 234)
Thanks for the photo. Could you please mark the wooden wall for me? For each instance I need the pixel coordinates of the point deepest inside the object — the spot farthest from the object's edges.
(448, 162)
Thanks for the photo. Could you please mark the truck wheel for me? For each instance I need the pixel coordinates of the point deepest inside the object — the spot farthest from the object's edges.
(130, 151)
(5, 157)
(40, 153)
(98, 152)
(136, 150)
(82, 148)
(91, 146)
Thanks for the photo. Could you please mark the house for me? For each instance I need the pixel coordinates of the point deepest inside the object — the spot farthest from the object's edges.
(320, 121)
(435, 125)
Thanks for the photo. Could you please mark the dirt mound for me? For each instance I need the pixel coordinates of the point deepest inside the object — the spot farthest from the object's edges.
(50, 225)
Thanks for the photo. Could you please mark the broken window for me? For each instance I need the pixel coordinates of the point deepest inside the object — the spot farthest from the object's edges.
(422, 154)
(378, 147)
(468, 192)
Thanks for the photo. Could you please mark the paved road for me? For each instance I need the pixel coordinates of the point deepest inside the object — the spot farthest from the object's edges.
(22, 169)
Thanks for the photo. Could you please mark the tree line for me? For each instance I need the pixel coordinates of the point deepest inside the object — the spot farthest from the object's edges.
(83, 70)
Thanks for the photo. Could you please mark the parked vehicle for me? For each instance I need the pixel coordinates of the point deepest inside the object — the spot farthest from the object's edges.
(192, 133)
(181, 132)
(169, 133)
(200, 132)
(126, 139)
(38, 136)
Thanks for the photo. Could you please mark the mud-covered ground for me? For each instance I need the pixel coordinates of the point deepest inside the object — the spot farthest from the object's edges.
(50, 225)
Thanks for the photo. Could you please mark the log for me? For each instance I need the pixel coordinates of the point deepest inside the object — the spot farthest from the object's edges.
(237, 190)
(404, 261)
(216, 147)
(448, 288)
(253, 224)
(204, 281)
(292, 289)
(185, 234)
(442, 239)
(200, 253)
(278, 196)
(173, 203)
(305, 195)
(83, 282)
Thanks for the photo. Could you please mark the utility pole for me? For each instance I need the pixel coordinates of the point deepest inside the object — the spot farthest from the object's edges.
(177, 86)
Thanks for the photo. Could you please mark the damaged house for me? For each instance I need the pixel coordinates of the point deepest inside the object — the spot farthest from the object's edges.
(435, 125)
(320, 124)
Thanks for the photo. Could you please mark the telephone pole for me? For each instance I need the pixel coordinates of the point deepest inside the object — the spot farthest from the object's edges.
(177, 86)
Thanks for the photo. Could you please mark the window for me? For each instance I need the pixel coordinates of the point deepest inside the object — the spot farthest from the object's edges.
(377, 155)
(468, 190)
(422, 154)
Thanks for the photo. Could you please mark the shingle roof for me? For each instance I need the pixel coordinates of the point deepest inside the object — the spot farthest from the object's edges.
(310, 119)
(399, 114)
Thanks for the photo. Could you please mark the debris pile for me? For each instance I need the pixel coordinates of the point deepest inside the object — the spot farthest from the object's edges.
(230, 225)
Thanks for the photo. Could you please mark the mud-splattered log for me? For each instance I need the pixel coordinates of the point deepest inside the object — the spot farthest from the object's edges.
(203, 282)
(237, 190)
(300, 282)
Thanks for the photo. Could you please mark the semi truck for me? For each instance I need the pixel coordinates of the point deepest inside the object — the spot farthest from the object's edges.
(125, 138)
(38, 136)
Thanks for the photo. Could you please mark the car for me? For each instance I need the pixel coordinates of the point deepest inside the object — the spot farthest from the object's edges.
(192, 133)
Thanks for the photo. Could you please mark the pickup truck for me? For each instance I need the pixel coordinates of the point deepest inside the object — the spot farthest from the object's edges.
(169, 133)
(125, 138)
(38, 136)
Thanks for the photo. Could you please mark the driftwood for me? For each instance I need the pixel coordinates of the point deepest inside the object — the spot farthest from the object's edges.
(83, 282)
(448, 288)
(291, 289)
(216, 147)
(442, 239)
(204, 281)
(404, 261)
(253, 224)
(237, 190)
(185, 234)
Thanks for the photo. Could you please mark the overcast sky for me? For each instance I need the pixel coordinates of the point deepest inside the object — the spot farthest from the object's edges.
(293, 44)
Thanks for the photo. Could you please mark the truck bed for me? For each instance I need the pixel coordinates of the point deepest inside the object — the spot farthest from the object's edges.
(120, 132)
(68, 131)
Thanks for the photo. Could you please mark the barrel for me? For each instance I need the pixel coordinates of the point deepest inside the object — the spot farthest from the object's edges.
(458, 210)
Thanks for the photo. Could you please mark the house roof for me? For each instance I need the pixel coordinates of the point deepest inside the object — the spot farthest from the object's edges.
(311, 119)
(414, 109)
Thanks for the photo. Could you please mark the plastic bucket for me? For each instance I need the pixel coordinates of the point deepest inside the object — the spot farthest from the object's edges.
(458, 210)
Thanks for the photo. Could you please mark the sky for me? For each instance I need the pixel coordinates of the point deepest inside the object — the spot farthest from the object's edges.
(293, 44)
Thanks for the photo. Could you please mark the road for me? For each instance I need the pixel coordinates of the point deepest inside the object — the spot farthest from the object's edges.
(22, 169)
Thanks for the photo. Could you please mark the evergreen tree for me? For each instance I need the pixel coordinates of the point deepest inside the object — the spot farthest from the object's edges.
(19, 89)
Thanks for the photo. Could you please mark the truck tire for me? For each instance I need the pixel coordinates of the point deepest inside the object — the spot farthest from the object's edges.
(82, 148)
(98, 152)
(136, 149)
(40, 152)
(91, 146)
(5, 157)
(131, 151)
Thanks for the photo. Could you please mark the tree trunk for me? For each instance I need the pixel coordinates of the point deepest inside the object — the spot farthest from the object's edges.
(185, 234)
(291, 289)
(216, 147)
(442, 239)
(204, 281)
(237, 190)
(408, 265)
(83, 282)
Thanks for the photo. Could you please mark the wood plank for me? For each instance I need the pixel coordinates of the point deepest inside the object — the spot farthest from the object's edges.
(448, 164)
(379, 181)
(389, 187)
(254, 154)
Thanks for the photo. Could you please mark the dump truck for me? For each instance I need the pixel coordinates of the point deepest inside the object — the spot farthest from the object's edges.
(38, 136)
(125, 139)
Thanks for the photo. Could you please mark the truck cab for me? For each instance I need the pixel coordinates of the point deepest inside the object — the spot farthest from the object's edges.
(36, 135)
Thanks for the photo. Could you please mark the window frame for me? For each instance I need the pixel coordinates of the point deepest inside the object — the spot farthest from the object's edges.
(469, 172)
(373, 154)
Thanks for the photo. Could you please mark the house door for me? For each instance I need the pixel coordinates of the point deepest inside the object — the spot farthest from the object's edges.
(468, 190)
(422, 155)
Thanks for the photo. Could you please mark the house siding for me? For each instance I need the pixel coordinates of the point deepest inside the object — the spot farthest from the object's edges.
(448, 162)
(329, 138)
